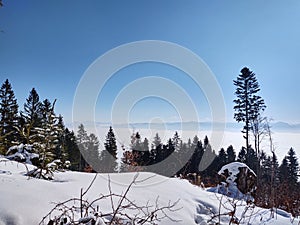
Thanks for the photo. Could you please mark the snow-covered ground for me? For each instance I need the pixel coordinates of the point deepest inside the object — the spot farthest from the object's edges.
(26, 201)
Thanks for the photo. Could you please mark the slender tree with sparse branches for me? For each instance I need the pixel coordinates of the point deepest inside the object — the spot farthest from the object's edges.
(248, 104)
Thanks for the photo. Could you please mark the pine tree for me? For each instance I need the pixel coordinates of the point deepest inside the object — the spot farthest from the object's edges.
(61, 152)
(208, 156)
(111, 143)
(176, 141)
(222, 158)
(89, 159)
(72, 150)
(146, 156)
(293, 167)
(145, 145)
(248, 104)
(136, 142)
(251, 159)
(156, 141)
(82, 143)
(109, 154)
(195, 141)
(93, 155)
(31, 117)
(206, 141)
(242, 155)
(284, 170)
(230, 154)
(192, 166)
(8, 117)
(45, 147)
(218, 162)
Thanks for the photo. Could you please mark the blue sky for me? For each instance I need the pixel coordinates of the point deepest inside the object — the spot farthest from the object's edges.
(49, 45)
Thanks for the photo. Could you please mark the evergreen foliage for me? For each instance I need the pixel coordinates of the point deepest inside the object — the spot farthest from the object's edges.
(31, 117)
(231, 155)
(40, 137)
(248, 105)
(83, 144)
(8, 117)
(293, 167)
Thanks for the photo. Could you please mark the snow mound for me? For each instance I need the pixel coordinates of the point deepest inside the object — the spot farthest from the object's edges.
(234, 169)
(27, 201)
(238, 181)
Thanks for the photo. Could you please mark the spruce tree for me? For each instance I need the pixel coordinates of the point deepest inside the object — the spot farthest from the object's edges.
(145, 145)
(208, 156)
(31, 117)
(72, 150)
(111, 143)
(284, 170)
(242, 155)
(251, 159)
(8, 117)
(222, 158)
(93, 155)
(176, 141)
(248, 105)
(195, 141)
(82, 140)
(109, 154)
(46, 144)
(156, 141)
(230, 154)
(61, 152)
(293, 167)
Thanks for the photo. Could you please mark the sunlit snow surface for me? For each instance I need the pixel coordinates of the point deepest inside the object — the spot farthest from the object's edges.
(26, 201)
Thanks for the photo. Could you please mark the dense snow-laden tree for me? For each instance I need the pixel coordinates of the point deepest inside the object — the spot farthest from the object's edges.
(46, 144)
(8, 117)
(248, 105)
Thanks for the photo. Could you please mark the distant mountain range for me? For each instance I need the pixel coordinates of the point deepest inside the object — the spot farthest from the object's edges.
(230, 126)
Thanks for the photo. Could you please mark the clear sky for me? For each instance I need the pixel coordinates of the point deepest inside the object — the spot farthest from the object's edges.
(49, 45)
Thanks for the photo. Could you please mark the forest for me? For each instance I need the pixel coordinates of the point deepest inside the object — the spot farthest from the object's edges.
(35, 134)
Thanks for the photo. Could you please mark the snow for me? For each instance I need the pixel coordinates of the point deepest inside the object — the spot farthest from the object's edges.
(229, 187)
(27, 201)
(22, 153)
(233, 169)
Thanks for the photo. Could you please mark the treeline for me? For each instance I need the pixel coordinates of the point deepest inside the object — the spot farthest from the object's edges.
(37, 128)
(277, 183)
(44, 138)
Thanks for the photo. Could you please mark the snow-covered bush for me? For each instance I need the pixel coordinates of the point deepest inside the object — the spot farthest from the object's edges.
(22, 153)
(47, 172)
